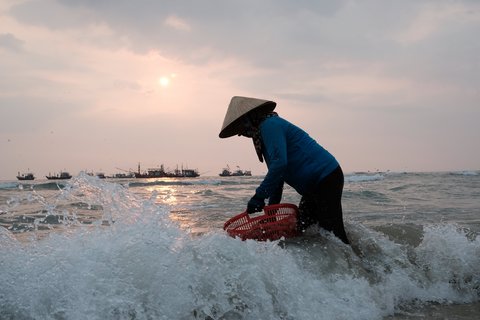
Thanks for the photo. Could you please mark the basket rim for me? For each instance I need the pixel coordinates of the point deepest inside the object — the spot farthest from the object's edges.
(259, 217)
(259, 228)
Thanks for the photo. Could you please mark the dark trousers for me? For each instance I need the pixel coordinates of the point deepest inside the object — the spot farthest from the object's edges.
(323, 206)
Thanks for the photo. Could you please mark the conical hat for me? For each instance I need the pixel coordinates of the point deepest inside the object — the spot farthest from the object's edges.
(238, 107)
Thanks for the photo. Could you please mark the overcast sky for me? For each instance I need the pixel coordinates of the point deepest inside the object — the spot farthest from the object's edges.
(103, 85)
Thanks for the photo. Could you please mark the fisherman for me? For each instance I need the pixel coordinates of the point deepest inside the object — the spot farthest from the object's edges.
(292, 157)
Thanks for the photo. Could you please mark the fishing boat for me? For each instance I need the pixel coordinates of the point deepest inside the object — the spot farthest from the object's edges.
(151, 173)
(99, 175)
(161, 173)
(247, 173)
(122, 175)
(25, 176)
(125, 174)
(183, 173)
(226, 172)
(63, 175)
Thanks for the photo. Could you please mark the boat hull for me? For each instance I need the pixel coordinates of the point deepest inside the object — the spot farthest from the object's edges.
(60, 176)
(21, 178)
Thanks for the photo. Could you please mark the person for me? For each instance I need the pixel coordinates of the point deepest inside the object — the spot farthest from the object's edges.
(292, 157)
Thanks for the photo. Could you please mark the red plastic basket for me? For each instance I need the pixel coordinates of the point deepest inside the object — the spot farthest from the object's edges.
(278, 220)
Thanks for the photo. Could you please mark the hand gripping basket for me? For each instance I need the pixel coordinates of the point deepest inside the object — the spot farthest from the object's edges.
(278, 220)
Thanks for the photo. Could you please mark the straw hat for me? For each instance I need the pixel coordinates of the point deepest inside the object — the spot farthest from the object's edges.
(238, 107)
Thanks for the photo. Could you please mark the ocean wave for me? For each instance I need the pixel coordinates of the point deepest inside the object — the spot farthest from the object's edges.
(30, 186)
(466, 173)
(370, 195)
(158, 183)
(145, 265)
(150, 268)
(51, 185)
(177, 182)
(8, 185)
(364, 177)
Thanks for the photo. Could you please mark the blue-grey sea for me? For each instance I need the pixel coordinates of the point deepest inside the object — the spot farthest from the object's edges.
(90, 248)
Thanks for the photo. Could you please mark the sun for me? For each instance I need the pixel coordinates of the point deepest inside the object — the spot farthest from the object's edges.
(164, 81)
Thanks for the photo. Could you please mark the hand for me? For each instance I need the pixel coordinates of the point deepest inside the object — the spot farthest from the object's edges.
(255, 204)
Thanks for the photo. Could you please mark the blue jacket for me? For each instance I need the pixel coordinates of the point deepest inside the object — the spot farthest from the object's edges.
(292, 156)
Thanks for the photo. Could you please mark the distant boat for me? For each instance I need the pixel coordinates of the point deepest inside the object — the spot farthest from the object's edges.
(161, 173)
(122, 176)
(226, 172)
(100, 175)
(126, 174)
(183, 173)
(63, 175)
(25, 176)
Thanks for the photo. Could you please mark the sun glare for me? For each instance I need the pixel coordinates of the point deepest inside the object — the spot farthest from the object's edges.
(164, 81)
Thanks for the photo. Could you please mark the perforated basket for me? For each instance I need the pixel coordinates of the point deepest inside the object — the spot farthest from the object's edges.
(278, 220)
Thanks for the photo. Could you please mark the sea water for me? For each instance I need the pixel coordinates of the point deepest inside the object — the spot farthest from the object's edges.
(88, 248)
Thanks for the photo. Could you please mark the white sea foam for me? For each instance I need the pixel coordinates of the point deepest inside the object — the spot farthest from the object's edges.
(143, 266)
(364, 177)
(466, 173)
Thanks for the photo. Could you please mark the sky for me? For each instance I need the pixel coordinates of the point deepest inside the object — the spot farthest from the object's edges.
(102, 86)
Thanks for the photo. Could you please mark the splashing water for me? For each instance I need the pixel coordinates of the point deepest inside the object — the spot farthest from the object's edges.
(118, 254)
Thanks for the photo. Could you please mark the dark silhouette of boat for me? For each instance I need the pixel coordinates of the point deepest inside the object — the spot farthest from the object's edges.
(226, 172)
(122, 176)
(126, 174)
(99, 175)
(63, 175)
(25, 176)
(161, 173)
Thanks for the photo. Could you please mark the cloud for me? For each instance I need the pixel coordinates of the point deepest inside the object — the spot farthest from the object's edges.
(177, 23)
(435, 18)
(9, 42)
(222, 25)
(355, 73)
(22, 114)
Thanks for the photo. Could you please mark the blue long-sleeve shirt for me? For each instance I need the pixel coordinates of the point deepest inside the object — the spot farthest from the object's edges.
(292, 156)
